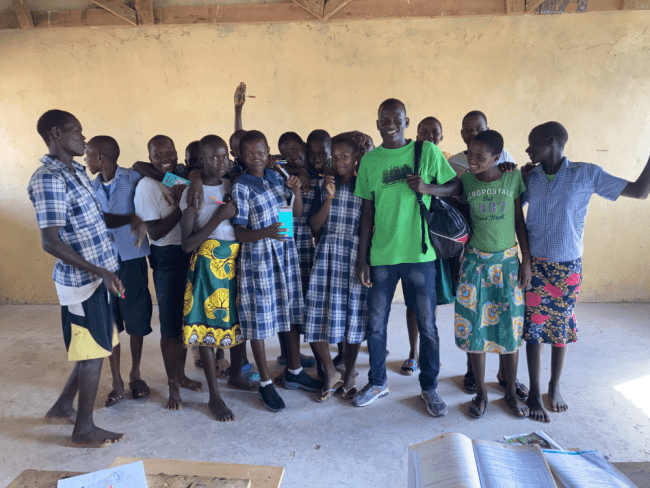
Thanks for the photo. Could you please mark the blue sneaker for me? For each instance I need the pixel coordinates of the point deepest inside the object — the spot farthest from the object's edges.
(301, 380)
(435, 405)
(369, 394)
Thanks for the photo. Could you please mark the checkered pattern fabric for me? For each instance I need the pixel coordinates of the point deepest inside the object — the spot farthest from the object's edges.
(270, 293)
(335, 308)
(117, 198)
(303, 237)
(65, 198)
(557, 210)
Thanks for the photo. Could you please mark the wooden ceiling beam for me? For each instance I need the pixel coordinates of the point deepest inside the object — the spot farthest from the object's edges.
(118, 8)
(531, 5)
(289, 12)
(23, 15)
(144, 12)
(314, 7)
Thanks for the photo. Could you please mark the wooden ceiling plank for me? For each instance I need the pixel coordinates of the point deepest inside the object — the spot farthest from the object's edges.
(515, 7)
(118, 8)
(144, 12)
(314, 7)
(23, 15)
(333, 6)
(373, 9)
(532, 5)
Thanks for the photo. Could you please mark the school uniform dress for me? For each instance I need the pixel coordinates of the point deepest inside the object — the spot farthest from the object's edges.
(64, 198)
(302, 232)
(335, 307)
(270, 291)
(210, 315)
(557, 209)
(489, 311)
(133, 312)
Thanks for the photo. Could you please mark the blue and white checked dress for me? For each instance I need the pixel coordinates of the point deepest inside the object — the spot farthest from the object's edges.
(336, 307)
(270, 293)
(302, 234)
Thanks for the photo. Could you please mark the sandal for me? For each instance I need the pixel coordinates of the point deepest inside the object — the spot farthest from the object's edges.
(249, 372)
(475, 409)
(223, 368)
(520, 388)
(139, 389)
(114, 397)
(469, 382)
(348, 393)
(324, 395)
(409, 367)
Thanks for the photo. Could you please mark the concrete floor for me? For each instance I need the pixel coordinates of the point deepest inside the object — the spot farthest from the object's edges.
(332, 444)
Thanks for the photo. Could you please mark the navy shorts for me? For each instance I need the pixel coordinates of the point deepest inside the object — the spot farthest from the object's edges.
(169, 265)
(133, 312)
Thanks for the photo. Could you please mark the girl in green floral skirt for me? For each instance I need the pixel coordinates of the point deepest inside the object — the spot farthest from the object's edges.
(490, 302)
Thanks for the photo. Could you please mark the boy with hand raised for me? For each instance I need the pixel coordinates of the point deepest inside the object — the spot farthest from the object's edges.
(73, 229)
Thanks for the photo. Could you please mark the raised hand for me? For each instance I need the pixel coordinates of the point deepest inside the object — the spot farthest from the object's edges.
(240, 95)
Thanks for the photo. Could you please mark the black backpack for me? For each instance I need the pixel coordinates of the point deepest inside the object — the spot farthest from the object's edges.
(448, 229)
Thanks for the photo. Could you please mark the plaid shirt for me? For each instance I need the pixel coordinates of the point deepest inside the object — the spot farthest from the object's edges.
(557, 210)
(65, 198)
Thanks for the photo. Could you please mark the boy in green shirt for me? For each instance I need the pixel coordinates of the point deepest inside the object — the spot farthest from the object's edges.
(388, 186)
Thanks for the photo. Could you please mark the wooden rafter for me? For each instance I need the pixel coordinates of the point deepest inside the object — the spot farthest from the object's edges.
(118, 8)
(314, 7)
(531, 5)
(23, 15)
(289, 12)
(144, 12)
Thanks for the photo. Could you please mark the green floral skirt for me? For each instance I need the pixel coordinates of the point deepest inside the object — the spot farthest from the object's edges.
(489, 303)
(210, 309)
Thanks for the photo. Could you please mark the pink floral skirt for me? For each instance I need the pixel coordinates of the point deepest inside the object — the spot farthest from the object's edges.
(551, 301)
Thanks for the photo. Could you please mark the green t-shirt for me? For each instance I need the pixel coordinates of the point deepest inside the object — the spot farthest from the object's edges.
(492, 208)
(550, 178)
(382, 179)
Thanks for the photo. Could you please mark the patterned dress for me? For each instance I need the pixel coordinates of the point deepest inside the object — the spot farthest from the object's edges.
(336, 301)
(270, 292)
(302, 232)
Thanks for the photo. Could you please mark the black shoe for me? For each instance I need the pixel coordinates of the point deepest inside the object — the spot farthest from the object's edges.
(271, 399)
(301, 380)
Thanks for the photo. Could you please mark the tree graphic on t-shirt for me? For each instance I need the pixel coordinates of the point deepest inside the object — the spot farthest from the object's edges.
(396, 174)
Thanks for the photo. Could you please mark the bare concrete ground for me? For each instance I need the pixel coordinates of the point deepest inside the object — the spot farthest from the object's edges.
(332, 444)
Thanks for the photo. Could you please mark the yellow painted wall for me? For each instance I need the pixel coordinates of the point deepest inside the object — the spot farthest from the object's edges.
(589, 71)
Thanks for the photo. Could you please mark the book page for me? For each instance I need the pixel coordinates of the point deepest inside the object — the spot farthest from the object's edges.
(512, 466)
(585, 469)
(446, 461)
(127, 476)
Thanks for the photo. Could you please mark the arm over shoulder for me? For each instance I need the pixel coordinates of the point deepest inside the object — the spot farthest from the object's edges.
(434, 165)
(147, 200)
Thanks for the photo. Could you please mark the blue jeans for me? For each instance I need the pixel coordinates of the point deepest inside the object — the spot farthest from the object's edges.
(419, 282)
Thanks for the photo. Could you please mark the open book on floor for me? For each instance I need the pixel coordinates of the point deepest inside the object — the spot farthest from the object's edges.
(454, 460)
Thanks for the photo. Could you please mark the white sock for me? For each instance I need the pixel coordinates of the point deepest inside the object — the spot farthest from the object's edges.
(264, 383)
(295, 371)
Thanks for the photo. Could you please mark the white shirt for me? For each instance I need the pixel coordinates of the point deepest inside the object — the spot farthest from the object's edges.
(225, 231)
(154, 201)
(459, 161)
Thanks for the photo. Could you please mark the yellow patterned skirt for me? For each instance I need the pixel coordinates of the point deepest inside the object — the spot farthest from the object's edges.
(210, 310)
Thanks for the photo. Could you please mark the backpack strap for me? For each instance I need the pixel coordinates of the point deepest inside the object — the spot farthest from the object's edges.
(423, 208)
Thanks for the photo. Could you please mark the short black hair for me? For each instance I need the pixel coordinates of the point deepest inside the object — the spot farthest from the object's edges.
(492, 139)
(235, 135)
(107, 146)
(159, 138)
(251, 136)
(392, 102)
(319, 135)
(475, 113)
(553, 129)
(212, 139)
(192, 146)
(429, 119)
(345, 139)
(50, 119)
(290, 136)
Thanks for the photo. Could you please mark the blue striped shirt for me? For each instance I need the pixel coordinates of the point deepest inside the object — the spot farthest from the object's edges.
(117, 198)
(557, 210)
(64, 198)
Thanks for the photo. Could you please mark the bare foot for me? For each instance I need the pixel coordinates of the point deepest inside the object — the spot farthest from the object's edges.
(240, 382)
(350, 379)
(517, 405)
(174, 402)
(96, 438)
(557, 403)
(537, 410)
(221, 411)
(185, 382)
(58, 415)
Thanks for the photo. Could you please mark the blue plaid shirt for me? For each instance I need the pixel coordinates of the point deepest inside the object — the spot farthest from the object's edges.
(65, 198)
(117, 198)
(557, 210)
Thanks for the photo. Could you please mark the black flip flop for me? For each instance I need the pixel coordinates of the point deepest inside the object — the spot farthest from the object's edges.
(520, 389)
(139, 389)
(475, 410)
(114, 398)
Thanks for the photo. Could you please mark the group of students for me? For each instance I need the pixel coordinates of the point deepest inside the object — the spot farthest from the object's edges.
(226, 270)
